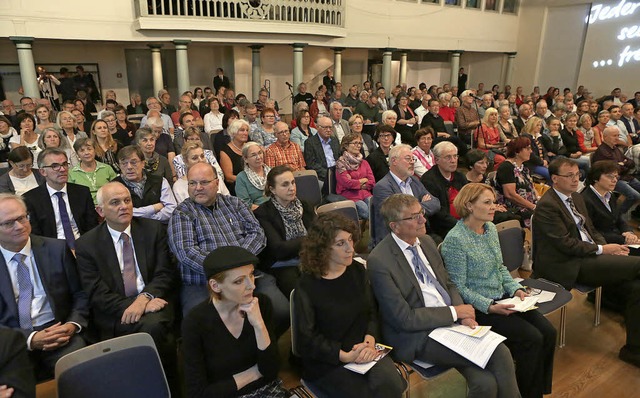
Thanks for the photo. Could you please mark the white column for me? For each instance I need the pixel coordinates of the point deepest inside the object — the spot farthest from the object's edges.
(403, 67)
(509, 72)
(386, 68)
(337, 63)
(255, 71)
(156, 67)
(455, 66)
(27, 67)
(298, 64)
(182, 65)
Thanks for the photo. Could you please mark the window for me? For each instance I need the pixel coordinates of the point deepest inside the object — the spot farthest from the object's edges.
(491, 5)
(510, 6)
(452, 2)
(473, 4)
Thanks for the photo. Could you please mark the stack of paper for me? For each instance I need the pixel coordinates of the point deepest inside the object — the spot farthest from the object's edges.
(475, 345)
(528, 304)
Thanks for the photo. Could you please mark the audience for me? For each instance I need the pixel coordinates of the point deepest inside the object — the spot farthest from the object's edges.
(538, 160)
(20, 178)
(193, 135)
(265, 134)
(477, 163)
(322, 150)
(16, 372)
(283, 151)
(154, 164)
(231, 160)
(106, 147)
(26, 136)
(303, 129)
(334, 288)
(250, 182)
(425, 159)
(193, 153)
(378, 159)
(354, 178)
(489, 138)
(472, 256)
(89, 172)
(356, 126)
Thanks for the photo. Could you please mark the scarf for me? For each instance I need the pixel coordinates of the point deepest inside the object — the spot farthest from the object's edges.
(152, 163)
(256, 179)
(4, 141)
(348, 162)
(292, 218)
(137, 187)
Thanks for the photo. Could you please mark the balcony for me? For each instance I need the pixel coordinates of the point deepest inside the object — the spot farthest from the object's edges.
(306, 17)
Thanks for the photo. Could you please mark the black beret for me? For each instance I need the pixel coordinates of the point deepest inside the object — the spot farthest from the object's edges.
(226, 258)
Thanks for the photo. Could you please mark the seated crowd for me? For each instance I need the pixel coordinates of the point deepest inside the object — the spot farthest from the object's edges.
(190, 224)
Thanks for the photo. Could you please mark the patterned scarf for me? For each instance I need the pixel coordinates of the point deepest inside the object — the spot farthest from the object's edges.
(292, 218)
(152, 163)
(256, 179)
(137, 187)
(348, 162)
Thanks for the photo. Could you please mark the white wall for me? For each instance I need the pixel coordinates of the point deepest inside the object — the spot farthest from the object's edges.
(487, 68)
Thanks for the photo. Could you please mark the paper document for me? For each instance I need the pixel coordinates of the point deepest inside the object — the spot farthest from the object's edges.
(520, 305)
(634, 246)
(545, 296)
(518, 279)
(478, 332)
(361, 260)
(476, 350)
(423, 364)
(363, 368)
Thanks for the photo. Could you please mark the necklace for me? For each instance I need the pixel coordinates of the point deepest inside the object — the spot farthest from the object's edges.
(235, 146)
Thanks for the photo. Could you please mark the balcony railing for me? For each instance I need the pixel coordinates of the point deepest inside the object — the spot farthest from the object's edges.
(322, 12)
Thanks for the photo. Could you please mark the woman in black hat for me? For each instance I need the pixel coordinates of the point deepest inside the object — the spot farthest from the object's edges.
(229, 349)
(336, 316)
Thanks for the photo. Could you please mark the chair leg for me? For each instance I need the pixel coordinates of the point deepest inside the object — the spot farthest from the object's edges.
(405, 372)
(598, 303)
(563, 324)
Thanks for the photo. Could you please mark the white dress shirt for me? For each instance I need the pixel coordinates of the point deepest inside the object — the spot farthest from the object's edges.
(56, 212)
(118, 244)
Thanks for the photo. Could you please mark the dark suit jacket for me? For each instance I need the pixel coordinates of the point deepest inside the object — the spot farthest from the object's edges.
(314, 154)
(627, 124)
(101, 276)
(442, 221)
(221, 82)
(437, 123)
(278, 247)
(609, 223)
(15, 368)
(518, 123)
(386, 187)
(557, 246)
(40, 209)
(57, 268)
(404, 319)
(6, 185)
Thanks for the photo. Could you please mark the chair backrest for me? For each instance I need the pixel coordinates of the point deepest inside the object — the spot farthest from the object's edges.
(511, 245)
(331, 181)
(372, 226)
(449, 127)
(345, 207)
(294, 324)
(123, 367)
(508, 224)
(308, 187)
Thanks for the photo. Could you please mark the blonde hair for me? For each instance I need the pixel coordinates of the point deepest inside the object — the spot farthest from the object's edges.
(469, 194)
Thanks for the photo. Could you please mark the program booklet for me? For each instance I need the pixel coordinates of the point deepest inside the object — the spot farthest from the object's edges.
(363, 368)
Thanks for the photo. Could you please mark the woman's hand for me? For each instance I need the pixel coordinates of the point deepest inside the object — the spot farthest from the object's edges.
(252, 312)
(501, 309)
(630, 238)
(367, 354)
(521, 294)
(6, 391)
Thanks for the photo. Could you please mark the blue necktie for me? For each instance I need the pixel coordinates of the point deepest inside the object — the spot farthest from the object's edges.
(25, 292)
(425, 276)
(66, 221)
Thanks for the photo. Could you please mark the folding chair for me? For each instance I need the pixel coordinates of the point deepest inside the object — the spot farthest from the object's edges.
(308, 186)
(345, 207)
(123, 367)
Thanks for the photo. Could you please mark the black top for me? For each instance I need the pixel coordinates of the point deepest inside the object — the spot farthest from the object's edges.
(212, 355)
(219, 140)
(570, 141)
(333, 315)
(435, 122)
(306, 97)
(238, 165)
(151, 193)
(554, 144)
(608, 222)
(438, 186)
(379, 163)
(164, 145)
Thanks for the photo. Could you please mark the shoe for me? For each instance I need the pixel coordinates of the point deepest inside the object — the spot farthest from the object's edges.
(627, 355)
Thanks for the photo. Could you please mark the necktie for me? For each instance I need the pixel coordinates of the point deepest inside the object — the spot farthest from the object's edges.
(66, 221)
(25, 292)
(425, 276)
(129, 267)
(581, 219)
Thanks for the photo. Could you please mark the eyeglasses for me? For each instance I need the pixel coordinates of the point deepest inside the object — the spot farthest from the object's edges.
(256, 155)
(283, 132)
(409, 159)
(23, 219)
(571, 176)
(356, 143)
(132, 163)
(324, 127)
(415, 217)
(57, 166)
(203, 184)
(613, 177)
(532, 292)
(385, 136)
(25, 166)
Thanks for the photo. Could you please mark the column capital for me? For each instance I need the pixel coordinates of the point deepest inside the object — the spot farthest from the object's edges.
(155, 46)
(512, 54)
(404, 51)
(456, 52)
(388, 50)
(181, 42)
(256, 47)
(338, 49)
(21, 39)
(299, 45)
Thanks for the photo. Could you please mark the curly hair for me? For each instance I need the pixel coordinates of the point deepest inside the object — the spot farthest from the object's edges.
(317, 245)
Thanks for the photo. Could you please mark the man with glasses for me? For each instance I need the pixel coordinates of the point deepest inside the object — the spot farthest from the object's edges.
(567, 249)
(28, 105)
(184, 106)
(323, 149)
(283, 151)
(151, 194)
(400, 179)
(415, 296)
(205, 221)
(40, 292)
(59, 209)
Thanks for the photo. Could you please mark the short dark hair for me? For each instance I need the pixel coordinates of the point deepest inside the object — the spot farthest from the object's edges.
(24, 115)
(425, 131)
(130, 150)
(227, 116)
(18, 154)
(554, 166)
(271, 177)
(111, 101)
(383, 128)
(80, 142)
(599, 168)
(119, 108)
(474, 156)
(516, 145)
(183, 115)
(50, 151)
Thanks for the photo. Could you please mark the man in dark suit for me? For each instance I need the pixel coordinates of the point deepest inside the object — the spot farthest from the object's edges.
(413, 303)
(59, 209)
(51, 308)
(400, 179)
(16, 372)
(340, 127)
(524, 113)
(462, 80)
(568, 249)
(323, 149)
(631, 123)
(126, 271)
(220, 80)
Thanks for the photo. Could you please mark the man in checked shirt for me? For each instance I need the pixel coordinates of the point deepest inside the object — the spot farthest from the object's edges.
(205, 221)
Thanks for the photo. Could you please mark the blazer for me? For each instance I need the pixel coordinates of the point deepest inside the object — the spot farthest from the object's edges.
(345, 127)
(609, 223)
(57, 268)
(6, 185)
(442, 221)
(314, 154)
(557, 246)
(102, 278)
(518, 123)
(405, 321)
(386, 187)
(278, 247)
(40, 209)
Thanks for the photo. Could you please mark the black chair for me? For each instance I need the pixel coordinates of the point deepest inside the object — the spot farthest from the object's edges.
(329, 188)
(345, 207)
(308, 187)
(123, 367)
(511, 238)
